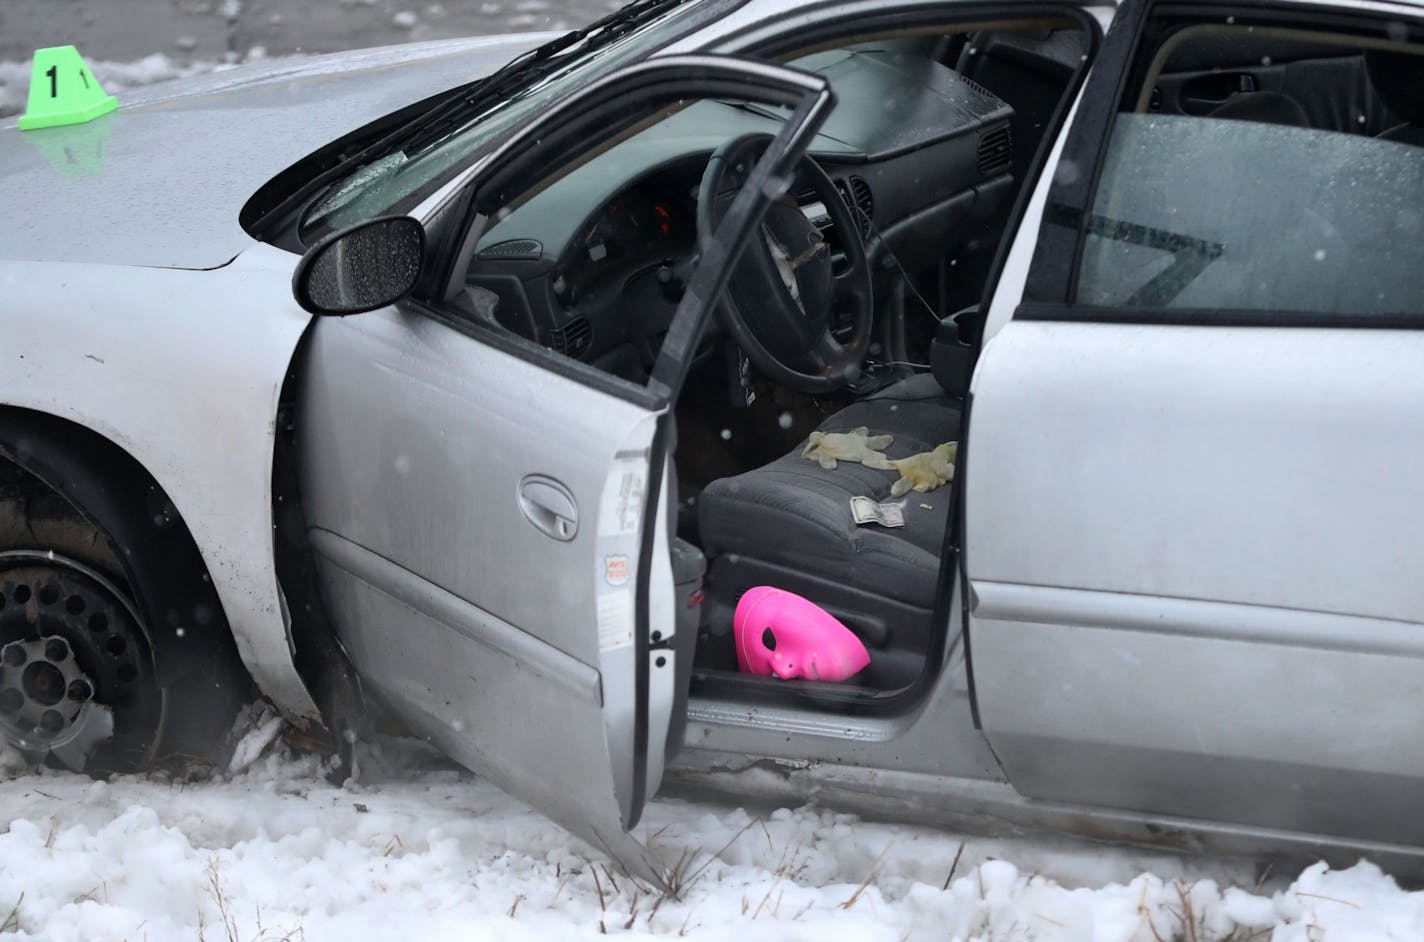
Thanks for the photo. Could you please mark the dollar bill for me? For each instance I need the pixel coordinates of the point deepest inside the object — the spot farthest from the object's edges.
(864, 510)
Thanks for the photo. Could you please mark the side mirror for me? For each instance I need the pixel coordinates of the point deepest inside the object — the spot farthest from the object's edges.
(369, 265)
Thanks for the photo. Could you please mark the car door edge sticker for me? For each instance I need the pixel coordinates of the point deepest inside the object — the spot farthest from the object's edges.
(469, 620)
(615, 620)
(620, 512)
(1227, 621)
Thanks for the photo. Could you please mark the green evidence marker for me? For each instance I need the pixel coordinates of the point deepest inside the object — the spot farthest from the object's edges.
(63, 91)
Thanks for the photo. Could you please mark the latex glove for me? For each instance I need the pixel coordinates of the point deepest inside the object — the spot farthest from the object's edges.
(855, 445)
(925, 471)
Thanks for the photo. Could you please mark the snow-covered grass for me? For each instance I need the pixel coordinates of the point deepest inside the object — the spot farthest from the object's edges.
(417, 851)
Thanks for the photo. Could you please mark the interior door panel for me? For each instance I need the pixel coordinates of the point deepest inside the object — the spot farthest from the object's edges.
(1333, 91)
(1201, 93)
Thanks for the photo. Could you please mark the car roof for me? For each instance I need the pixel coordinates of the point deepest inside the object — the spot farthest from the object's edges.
(757, 11)
(753, 16)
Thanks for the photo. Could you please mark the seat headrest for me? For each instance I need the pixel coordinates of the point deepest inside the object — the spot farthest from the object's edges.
(1398, 79)
(1266, 107)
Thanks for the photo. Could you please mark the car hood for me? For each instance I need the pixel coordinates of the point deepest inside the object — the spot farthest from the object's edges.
(160, 181)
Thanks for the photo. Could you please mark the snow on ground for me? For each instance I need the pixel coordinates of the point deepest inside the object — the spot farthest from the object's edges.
(421, 852)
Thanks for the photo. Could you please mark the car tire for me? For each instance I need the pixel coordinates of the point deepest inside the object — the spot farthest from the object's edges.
(115, 655)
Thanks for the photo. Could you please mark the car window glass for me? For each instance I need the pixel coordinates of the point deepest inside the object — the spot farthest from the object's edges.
(1209, 213)
(591, 263)
(1278, 179)
(404, 178)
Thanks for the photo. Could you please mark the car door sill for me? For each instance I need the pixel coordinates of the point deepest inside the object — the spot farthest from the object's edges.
(990, 808)
(793, 718)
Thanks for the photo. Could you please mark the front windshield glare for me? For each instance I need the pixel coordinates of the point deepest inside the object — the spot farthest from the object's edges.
(397, 182)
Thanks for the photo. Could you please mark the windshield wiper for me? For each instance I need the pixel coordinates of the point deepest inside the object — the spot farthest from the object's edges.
(525, 70)
(468, 101)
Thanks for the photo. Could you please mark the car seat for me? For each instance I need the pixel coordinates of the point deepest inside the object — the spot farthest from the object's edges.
(788, 524)
(1398, 79)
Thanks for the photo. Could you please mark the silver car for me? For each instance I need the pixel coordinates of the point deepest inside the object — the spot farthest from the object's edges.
(413, 388)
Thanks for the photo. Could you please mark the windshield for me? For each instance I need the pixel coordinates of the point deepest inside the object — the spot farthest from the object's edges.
(397, 181)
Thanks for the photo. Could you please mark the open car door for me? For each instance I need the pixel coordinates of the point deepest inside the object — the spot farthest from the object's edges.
(489, 516)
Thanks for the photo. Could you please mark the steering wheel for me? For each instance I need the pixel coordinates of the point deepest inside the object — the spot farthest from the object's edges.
(783, 289)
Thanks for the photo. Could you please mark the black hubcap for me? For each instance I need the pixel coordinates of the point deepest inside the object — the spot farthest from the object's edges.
(76, 671)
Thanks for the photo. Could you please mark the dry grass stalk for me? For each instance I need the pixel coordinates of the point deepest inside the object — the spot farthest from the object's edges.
(12, 919)
(954, 866)
(870, 876)
(1188, 914)
(1329, 899)
(657, 904)
(558, 892)
(780, 874)
(215, 890)
(678, 881)
(602, 904)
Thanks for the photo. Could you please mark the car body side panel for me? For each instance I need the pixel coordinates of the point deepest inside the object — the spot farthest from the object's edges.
(1280, 458)
(1195, 558)
(183, 370)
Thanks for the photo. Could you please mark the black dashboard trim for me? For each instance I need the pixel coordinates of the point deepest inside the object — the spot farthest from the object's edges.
(538, 355)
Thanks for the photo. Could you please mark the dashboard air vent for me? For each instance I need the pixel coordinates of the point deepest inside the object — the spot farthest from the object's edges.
(975, 85)
(996, 148)
(856, 192)
(514, 248)
(573, 339)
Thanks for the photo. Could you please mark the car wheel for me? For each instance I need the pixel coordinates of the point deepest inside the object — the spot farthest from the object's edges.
(86, 683)
(77, 676)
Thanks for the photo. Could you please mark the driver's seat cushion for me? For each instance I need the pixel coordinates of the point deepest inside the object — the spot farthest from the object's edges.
(795, 513)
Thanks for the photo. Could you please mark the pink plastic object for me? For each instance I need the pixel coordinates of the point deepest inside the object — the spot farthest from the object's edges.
(806, 640)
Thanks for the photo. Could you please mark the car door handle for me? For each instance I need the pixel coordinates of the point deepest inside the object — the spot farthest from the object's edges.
(549, 506)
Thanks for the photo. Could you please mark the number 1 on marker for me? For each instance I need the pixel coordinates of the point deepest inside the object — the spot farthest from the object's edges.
(75, 94)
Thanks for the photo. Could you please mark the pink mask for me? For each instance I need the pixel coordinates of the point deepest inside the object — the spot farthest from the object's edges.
(780, 634)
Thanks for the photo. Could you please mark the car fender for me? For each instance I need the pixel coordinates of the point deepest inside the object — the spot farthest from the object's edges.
(183, 371)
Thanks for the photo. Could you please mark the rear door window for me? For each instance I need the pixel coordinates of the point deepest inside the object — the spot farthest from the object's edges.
(1210, 213)
(1250, 170)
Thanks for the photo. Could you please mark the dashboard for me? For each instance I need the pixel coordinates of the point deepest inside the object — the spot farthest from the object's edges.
(653, 220)
(592, 264)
